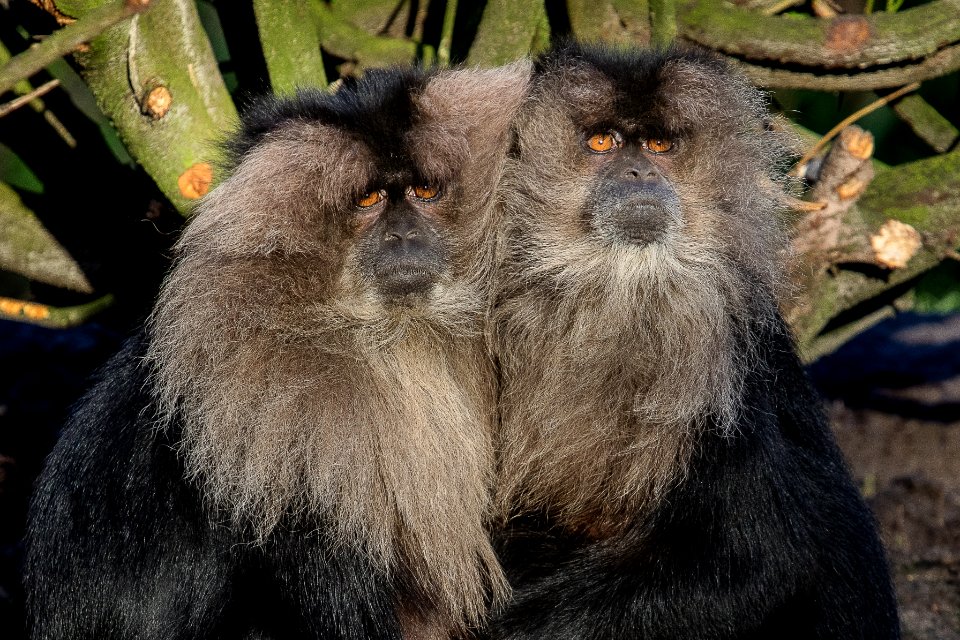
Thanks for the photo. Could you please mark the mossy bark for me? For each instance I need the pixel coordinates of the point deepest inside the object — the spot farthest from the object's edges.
(165, 47)
(509, 29)
(924, 194)
(290, 43)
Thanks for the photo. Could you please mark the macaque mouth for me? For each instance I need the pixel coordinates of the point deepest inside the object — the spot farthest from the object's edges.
(638, 219)
(405, 278)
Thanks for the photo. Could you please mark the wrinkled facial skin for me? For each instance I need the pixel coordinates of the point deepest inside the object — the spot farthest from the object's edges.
(633, 201)
(400, 239)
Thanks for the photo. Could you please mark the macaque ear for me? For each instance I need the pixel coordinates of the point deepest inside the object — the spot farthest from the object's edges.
(471, 107)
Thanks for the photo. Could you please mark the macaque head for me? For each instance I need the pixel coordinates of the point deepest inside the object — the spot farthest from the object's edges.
(376, 196)
(647, 155)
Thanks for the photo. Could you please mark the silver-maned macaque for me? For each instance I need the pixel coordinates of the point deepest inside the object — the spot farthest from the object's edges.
(298, 445)
(666, 471)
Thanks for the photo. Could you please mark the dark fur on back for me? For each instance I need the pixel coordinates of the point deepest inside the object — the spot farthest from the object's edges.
(284, 452)
(665, 469)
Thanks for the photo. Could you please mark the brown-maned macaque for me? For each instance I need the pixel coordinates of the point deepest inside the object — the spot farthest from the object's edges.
(299, 444)
(666, 471)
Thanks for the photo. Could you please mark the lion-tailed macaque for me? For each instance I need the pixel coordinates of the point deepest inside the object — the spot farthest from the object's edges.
(299, 442)
(667, 471)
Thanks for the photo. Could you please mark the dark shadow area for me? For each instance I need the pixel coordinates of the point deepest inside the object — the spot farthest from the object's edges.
(44, 372)
(903, 367)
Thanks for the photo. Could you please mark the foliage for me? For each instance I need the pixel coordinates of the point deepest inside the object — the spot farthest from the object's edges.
(123, 142)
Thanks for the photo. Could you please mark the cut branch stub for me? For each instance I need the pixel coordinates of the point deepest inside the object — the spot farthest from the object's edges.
(843, 176)
(891, 48)
(157, 102)
(195, 182)
(894, 244)
(163, 47)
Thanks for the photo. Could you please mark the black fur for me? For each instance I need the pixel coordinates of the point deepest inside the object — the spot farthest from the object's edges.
(374, 110)
(121, 546)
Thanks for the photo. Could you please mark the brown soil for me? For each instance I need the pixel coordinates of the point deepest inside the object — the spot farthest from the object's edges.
(895, 409)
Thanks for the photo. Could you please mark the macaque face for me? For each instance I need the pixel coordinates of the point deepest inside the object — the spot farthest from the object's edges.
(633, 199)
(399, 226)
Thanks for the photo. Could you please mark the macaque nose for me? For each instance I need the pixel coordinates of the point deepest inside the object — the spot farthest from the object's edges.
(644, 172)
(402, 230)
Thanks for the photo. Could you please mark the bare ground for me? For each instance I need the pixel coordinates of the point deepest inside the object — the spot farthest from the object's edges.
(895, 408)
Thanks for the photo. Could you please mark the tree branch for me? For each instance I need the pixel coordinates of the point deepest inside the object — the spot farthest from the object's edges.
(927, 123)
(506, 31)
(346, 40)
(291, 45)
(847, 41)
(944, 61)
(925, 195)
(616, 21)
(52, 317)
(67, 40)
(26, 98)
(156, 78)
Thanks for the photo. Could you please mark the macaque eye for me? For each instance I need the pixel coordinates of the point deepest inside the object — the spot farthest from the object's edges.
(603, 142)
(424, 191)
(657, 145)
(369, 199)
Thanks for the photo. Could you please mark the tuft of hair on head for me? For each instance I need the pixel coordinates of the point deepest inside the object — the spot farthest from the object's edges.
(617, 355)
(303, 396)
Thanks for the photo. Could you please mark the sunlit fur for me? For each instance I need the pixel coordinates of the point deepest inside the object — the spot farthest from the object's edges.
(303, 393)
(615, 356)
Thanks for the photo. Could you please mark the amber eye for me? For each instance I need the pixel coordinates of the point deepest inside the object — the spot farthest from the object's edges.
(602, 142)
(425, 191)
(369, 199)
(657, 145)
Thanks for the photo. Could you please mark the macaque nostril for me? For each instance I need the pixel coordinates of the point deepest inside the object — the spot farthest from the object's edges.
(413, 233)
(633, 174)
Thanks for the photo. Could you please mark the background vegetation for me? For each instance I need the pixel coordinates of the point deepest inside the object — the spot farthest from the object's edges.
(103, 151)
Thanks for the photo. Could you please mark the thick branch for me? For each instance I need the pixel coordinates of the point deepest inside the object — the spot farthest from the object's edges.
(348, 41)
(923, 194)
(663, 22)
(617, 21)
(507, 31)
(291, 44)
(157, 80)
(927, 123)
(854, 42)
(67, 40)
(944, 61)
